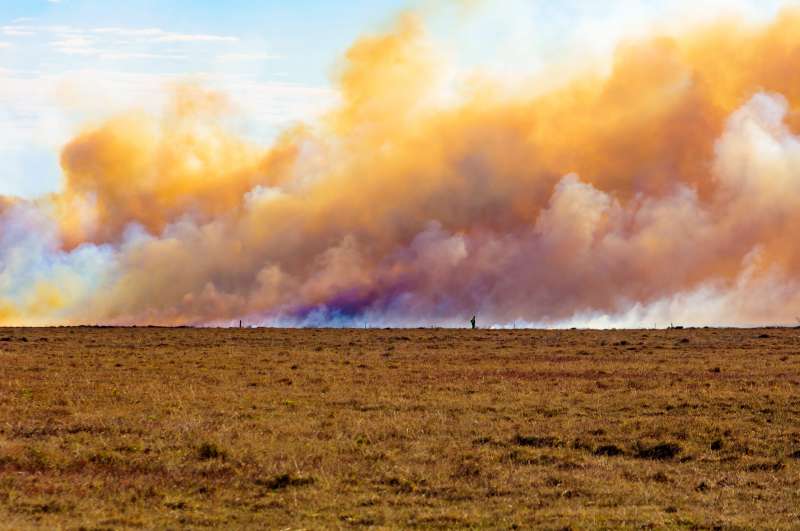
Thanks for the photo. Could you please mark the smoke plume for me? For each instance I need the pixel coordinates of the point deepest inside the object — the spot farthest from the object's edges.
(666, 189)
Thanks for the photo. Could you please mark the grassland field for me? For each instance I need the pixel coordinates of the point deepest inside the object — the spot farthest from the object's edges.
(151, 428)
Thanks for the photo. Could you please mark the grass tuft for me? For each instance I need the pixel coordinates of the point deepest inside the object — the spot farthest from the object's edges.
(207, 451)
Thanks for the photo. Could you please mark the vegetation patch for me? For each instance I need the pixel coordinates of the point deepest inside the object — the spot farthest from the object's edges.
(658, 452)
(283, 481)
(609, 450)
(766, 467)
(537, 442)
(49, 507)
(207, 451)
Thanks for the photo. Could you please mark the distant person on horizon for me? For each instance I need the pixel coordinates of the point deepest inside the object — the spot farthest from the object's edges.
(473, 321)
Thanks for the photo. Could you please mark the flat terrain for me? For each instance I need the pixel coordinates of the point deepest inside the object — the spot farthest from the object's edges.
(181, 428)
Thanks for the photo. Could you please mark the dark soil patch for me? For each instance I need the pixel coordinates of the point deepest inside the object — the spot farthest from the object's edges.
(282, 481)
(659, 452)
(609, 450)
(208, 451)
(766, 467)
(536, 442)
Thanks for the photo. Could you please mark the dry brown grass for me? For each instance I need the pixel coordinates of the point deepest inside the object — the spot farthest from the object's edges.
(159, 428)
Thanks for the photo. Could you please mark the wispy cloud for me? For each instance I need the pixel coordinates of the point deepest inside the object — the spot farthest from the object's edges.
(246, 56)
(74, 45)
(140, 55)
(12, 31)
(82, 47)
(178, 37)
(115, 43)
(5, 44)
(161, 36)
(138, 35)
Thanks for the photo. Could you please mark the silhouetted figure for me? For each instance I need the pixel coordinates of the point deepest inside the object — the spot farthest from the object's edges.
(473, 321)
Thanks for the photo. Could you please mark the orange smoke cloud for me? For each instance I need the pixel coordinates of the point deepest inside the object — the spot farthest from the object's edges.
(666, 190)
(139, 169)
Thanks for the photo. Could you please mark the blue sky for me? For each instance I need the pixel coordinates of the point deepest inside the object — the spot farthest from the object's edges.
(309, 32)
(69, 62)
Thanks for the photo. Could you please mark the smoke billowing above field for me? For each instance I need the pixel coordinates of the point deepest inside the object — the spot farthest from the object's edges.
(665, 189)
